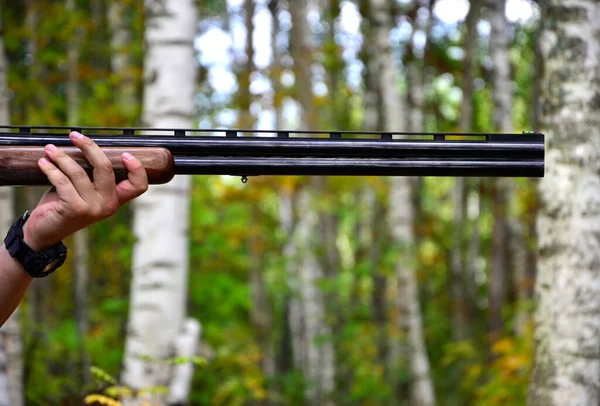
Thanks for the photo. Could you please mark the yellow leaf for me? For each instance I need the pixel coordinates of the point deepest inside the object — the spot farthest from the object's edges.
(503, 346)
(515, 362)
(103, 400)
(474, 371)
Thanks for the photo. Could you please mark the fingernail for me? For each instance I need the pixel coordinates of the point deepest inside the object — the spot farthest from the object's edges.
(44, 161)
(51, 147)
(76, 135)
(127, 156)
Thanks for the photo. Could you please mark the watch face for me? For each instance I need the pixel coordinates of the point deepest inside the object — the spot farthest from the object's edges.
(55, 263)
(51, 265)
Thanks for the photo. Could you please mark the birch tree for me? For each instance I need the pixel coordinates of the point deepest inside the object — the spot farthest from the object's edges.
(81, 269)
(276, 65)
(567, 318)
(261, 315)
(11, 350)
(37, 291)
(457, 266)
(373, 211)
(157, 326)
(401, 215)
(121, 60)
(306, 306)
(502, 96)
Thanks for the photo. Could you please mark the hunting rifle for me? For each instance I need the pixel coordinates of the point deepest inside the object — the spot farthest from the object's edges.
(168, 152)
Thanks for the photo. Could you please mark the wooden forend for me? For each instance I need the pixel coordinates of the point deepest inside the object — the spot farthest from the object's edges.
(19, 165)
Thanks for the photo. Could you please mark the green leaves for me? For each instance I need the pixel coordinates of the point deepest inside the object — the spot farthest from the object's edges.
(102, 376)
(198, 361)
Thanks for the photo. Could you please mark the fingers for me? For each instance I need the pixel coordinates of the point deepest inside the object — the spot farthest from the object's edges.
(137, 182)
(60, 181)
(104, 176)
(73, 171)
(102, 197)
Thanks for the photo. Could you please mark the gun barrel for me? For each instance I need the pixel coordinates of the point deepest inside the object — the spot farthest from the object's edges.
(324, 153)
(306, 147)
(252, 166)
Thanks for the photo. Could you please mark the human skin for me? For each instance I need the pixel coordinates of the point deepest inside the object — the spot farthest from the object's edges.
(73, 203)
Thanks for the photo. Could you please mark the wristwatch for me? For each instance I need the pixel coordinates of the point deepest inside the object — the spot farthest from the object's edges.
(36, 264)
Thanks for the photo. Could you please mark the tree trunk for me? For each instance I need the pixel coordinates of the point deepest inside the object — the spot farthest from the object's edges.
(307, 309)
(244, 96)
(459, 275)
(36, 293)
(277, 97)
(4, 386)
(261, 316)
(121, 59)
(316, 359)
(11, 350)
(301, 50)
(160, 258)
(502, 96)
(81, 269)
(123, 66)
(401, 215)
(567, 319)
(373, 213)
(293, 311)
(282, 357)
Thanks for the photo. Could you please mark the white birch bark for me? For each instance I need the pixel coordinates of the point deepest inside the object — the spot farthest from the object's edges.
(185, 346)
(457, 266)
(401, 215)
(567, 320)
(4, 393)
(260, 315)
(81, 269)
(121, 60)
(317, 359)
(306, 314)
(11, 349)
(502, 84)
(286, 219)
(519, 264)
(160, 257)
(307, 311)
(372, 211)
(502, 96)
(276, 65)
(11, 361)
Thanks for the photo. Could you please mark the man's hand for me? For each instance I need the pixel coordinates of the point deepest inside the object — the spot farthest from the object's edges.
(75, 201)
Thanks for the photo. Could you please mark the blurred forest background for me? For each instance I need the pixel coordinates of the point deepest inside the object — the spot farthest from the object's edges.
(294, 290)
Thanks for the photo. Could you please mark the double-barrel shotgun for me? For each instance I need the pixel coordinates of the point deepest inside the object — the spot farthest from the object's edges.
(169, 152)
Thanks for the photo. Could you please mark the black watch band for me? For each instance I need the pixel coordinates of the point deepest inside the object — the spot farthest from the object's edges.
(36, 264)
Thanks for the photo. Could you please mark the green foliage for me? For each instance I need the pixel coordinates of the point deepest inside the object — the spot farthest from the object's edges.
(113, 393)
(198, 361)
(102, 376)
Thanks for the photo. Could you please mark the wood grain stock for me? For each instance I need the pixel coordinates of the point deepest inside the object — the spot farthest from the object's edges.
(19, 165)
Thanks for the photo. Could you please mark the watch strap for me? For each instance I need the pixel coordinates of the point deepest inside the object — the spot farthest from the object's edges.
(34, 263)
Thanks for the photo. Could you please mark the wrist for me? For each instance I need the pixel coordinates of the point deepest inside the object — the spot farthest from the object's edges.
(15, 269)
(30, 240)
(31, 235)
(37, 259)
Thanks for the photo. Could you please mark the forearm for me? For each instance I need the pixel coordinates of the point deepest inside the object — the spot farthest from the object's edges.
(72, 204)
(13, 284)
